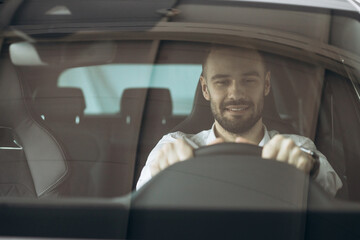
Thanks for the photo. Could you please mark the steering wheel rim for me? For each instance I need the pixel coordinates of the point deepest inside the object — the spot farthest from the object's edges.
(229, 148)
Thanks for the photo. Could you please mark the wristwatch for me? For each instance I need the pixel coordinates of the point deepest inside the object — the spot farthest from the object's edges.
(316, 163)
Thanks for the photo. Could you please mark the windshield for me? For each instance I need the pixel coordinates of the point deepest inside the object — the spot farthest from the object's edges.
(89, 100)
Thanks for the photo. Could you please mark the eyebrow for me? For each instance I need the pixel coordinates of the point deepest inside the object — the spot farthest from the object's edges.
(251, 73)
(247, 74)
(217, 76)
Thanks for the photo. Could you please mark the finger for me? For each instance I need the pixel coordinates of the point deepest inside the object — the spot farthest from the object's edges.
(286, 147)
(163, 161)
(294, 156)
(216, 141)
(154, 165)
(271, 149)
(170, 153)
(304, 163)
(244, 140)
(154, 169)
(184, 150)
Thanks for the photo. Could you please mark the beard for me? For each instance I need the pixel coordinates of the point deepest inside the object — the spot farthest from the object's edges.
(238, 124)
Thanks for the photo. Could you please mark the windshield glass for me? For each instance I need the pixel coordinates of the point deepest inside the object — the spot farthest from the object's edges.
(119, 111)
(177, 113)
(107, 105)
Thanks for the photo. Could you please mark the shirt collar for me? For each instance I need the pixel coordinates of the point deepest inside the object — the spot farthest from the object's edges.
(212, 136)
(266, 137)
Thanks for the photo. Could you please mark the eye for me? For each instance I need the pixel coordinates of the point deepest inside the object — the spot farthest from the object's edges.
(222, 82)
(250, 80)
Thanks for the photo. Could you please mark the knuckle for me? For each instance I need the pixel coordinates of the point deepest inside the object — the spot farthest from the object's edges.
(302, 164)
(153, 164)
(297, 151)
(163, 164)
(185, 147)
(279, 137)
(168, 147)
(181, 141)
(161, 153)
(154, 168)
(165, 148)
(289, 143)
(294, 155)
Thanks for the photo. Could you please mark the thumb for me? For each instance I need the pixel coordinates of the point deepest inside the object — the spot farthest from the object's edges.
(243, 140)
(216, 141)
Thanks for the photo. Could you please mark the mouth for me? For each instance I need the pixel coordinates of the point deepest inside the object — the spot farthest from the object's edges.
(237, 108)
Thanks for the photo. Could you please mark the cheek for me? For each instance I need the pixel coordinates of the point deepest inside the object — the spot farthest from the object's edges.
(216, 101)
(259, 101)
(257, 94)
(215, 95)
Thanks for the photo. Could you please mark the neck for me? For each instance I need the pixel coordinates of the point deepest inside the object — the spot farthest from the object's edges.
(255, 134)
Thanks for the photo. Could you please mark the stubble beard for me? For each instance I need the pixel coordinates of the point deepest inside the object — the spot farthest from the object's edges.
(237, 125)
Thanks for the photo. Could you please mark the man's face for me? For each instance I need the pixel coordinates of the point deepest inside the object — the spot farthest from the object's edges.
(235, 83)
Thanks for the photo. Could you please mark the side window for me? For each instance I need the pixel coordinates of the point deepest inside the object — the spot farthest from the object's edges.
(338, 132)
(104, 85)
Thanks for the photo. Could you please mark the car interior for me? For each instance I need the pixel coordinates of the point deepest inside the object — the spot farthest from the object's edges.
(102, 155)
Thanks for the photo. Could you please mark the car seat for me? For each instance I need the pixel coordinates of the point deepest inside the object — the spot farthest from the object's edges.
(37, 166)
(144, 120)
(62, 112)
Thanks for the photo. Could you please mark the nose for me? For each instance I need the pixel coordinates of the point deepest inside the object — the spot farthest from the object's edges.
(236, 90)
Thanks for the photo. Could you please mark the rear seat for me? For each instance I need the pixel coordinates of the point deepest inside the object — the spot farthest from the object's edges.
(144, 120)
(104, 165)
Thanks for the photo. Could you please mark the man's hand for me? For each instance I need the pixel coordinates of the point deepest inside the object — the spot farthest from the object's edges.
(279, 148)
(169, 154)
(285, 150)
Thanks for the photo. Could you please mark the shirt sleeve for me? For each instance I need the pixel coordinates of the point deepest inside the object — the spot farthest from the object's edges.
(326, 176)
(145, 175)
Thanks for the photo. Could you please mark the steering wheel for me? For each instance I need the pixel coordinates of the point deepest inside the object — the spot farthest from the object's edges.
(229, 148)
(226, 184)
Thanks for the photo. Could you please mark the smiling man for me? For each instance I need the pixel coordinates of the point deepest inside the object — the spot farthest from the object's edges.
(236, 81)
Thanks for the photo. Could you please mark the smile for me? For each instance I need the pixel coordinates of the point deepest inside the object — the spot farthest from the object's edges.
(237, 108)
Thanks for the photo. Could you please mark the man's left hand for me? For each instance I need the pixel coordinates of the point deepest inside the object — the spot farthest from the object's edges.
(285, 150)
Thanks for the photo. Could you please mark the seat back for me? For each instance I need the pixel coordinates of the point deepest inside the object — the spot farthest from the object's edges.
(45, 161)
(62, 110)
(144, 120)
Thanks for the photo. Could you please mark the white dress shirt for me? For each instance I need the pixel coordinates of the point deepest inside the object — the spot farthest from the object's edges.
(326, 176)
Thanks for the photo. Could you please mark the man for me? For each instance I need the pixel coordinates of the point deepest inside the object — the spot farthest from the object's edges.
(236, 81)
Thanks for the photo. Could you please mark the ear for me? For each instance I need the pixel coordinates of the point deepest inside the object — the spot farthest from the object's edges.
(204, 88)
(267, 83)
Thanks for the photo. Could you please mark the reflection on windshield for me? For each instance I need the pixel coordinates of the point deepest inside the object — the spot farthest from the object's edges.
(104, 85)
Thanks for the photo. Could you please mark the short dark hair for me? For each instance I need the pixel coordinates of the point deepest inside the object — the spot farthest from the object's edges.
(220, 46)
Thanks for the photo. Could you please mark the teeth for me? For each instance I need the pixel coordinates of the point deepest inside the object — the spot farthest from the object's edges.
(237, 109)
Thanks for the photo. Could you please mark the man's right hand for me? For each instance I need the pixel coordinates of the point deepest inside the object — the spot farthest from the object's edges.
(169, 154)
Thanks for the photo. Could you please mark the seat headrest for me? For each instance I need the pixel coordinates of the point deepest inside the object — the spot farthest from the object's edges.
(59, 102)
(153, 102)
(200, 118)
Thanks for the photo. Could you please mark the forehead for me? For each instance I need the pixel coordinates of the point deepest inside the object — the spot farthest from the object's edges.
(235, 61)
